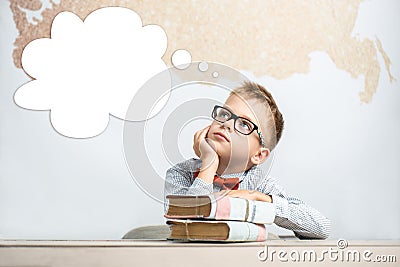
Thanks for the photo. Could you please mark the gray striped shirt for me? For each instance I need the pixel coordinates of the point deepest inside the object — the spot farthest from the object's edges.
(291, 212)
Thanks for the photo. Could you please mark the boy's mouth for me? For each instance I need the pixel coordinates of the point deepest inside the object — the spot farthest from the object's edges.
(222, 136)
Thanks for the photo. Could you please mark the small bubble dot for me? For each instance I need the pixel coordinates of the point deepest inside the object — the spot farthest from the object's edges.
(181, 59)
(203, 66)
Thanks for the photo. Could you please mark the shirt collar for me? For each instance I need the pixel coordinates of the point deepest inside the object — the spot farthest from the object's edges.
(240, 175)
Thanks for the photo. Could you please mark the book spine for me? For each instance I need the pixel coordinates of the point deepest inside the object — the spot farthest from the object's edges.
(242, 231)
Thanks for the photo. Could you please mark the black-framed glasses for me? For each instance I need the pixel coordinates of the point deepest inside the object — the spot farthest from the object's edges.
(242, 125)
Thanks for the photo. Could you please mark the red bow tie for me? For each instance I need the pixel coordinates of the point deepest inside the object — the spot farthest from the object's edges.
(224, 183)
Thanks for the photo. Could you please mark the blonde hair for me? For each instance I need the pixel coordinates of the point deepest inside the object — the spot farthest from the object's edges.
(253, 90)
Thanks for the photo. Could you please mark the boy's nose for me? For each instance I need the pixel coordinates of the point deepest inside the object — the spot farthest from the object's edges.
(229, 125)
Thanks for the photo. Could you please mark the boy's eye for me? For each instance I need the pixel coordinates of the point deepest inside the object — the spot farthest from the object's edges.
(224, 114)
(245, 125)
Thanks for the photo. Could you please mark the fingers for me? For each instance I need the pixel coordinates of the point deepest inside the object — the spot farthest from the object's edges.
(203, 132)
(197, 139)
(222, 193)
(237, 193)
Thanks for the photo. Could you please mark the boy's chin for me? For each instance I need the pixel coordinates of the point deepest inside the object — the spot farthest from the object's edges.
(236, 159)
(222, 155)
(227, 156)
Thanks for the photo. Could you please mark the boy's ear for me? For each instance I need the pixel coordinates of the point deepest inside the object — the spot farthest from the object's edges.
(261, 156)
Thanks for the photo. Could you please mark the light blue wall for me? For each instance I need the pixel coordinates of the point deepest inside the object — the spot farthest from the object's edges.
(338, 155)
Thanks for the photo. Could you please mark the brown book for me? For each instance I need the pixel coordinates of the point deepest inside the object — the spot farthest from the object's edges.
(218, 207)
(205, 230)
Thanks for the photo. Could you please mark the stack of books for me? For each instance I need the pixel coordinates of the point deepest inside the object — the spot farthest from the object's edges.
(218, 218)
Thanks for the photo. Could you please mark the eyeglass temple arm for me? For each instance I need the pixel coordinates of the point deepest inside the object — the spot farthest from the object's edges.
(261, 138)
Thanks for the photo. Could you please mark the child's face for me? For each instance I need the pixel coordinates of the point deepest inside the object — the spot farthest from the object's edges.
(234, 146)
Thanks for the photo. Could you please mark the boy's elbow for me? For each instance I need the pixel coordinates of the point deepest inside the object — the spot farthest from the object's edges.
(323, 225)
(322, 234)
(325, 228)
(321, 230)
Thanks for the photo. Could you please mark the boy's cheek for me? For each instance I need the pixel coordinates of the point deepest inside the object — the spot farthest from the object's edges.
(241, 149)
(238, 143)
(210, 130)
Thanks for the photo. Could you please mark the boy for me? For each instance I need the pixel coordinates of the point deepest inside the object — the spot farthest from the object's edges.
(240, 138)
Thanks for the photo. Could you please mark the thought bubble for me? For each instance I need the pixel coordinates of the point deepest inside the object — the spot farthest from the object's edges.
(181, 59)
(90, 69)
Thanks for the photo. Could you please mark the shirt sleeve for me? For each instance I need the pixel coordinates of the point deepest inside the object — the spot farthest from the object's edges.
(179, 180)
(293, 214)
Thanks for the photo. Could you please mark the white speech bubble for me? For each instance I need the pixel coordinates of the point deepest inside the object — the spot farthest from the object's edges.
(90, 69)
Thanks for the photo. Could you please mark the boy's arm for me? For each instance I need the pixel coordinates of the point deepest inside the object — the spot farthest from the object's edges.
(179, 180)
(293, 214)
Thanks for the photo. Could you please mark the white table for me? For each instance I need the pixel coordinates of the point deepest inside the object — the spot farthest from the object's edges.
(171, 253)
